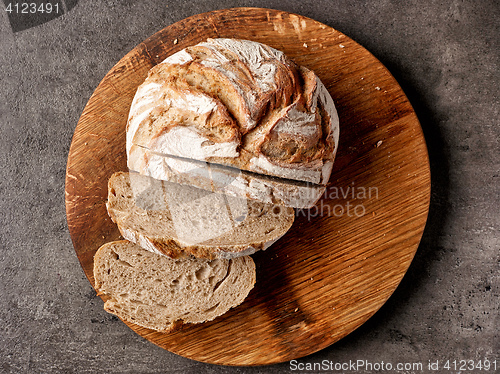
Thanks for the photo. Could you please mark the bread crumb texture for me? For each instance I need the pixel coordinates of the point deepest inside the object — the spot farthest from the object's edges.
(161, 293)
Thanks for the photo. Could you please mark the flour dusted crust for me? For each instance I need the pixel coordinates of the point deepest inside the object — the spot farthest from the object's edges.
(237, 103)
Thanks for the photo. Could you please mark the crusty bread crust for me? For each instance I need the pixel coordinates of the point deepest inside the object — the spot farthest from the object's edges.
(237, 103)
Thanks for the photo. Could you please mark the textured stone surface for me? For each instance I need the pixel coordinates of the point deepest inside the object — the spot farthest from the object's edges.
(446, 56)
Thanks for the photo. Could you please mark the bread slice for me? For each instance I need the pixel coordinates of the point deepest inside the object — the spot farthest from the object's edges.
(176, 220)
(222, 179)
(237, 103)
(161, 293)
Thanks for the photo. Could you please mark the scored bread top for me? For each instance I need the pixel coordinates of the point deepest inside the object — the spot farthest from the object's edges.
(238, 103)
(175, 220)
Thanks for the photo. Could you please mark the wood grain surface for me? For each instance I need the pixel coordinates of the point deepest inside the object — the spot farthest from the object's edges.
(343, 258)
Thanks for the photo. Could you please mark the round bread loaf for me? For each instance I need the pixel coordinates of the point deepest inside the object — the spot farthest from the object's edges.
(237, 103)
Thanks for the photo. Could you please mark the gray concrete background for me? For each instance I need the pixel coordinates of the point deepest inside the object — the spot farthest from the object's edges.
(446, 56)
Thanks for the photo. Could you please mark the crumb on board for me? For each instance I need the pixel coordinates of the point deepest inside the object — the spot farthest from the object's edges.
(378, 88)
(176, 41)
(305, 45)
(379, 143)
(341, 46)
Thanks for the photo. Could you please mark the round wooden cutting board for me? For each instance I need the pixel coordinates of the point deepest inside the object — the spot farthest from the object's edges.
(342, 259)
